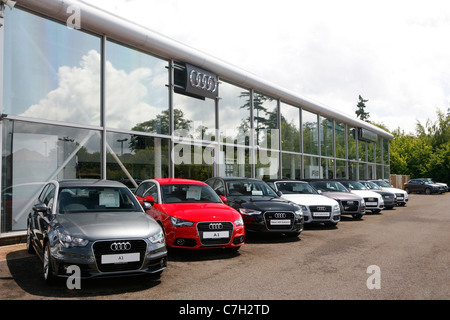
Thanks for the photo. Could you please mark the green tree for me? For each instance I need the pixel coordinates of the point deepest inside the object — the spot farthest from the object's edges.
(360, 112)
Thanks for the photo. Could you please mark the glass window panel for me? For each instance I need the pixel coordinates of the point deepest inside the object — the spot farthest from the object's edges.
(339, 130)
(35, 154)
(52, 72)
(311, 169)
(193, 161)
(136, 90)
(135, 157)
(234, 161)
(290, 128)
(234, 114)
(363, 171)
(362, 151)
(267, 164)
(341, 169)
(194, 118)
(370, 152)
(327, 168)
(378, 150)
(326, 137)
(291, 166)
(265, 121)
(352, 136)
(310, 133)
(386, 151)
(352, 170)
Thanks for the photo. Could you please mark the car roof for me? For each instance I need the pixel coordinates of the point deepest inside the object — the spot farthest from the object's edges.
(89, 183)
(164, 181)
(285, 180)
(235, 178)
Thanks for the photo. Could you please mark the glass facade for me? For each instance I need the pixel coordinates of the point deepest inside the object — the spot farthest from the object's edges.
(80, 105)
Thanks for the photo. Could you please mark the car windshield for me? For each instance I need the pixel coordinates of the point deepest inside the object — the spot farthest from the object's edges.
(188, 193)
(429, 181)
(371, 185)
(96, 199)
(329, 186)
(353, 185)
(251, 188)
(382, 184)
(291, 187)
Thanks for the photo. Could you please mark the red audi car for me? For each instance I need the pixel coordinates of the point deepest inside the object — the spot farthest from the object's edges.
(192, 215)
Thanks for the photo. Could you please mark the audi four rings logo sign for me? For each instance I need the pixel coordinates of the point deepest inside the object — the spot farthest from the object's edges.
(215, 226)
(201, 82)
(120, 246)
(321, 208)
(280, 215)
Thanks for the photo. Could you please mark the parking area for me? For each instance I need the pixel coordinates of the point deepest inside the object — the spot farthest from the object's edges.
(407, 245)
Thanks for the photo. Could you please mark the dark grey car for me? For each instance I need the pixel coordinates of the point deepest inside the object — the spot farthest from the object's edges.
(97, 225)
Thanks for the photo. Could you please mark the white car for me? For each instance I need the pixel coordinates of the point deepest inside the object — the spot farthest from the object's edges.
(374, 201)
(402, 195)
(316, 208)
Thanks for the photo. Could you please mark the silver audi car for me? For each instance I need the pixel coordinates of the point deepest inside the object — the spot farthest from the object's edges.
(96, 225)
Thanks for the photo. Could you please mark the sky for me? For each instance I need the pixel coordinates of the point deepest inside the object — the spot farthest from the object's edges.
(395, 54)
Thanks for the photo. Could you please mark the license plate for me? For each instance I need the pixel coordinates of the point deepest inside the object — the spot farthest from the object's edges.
(321, 214)
(120, 258)
(399, 198)
(280, 222)
(216, 235)
(371, 203)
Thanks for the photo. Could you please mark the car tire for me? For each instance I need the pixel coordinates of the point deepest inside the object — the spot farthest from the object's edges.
(49, 278)
(30, 248)
(357, 216)
(407, 190)
(427, 191)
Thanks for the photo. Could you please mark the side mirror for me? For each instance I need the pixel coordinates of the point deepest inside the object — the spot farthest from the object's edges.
(223, 198)
(149, 200)
(319, 191)
(279, 193)
(40, 208)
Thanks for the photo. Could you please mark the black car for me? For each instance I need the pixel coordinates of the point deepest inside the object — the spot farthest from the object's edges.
(422, 185)
(261, 208)
(97, 226)
(389, 198)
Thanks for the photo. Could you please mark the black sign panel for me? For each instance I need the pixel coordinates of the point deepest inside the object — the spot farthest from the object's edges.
(366, 135)
(196, 82)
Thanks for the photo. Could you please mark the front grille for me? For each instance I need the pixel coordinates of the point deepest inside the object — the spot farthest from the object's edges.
(218, 228)
(320, 212)
(371, 202)
(104, 248)
(350, 205)
(278, 220)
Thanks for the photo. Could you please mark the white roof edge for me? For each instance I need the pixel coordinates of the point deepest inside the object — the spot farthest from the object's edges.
(100, 22)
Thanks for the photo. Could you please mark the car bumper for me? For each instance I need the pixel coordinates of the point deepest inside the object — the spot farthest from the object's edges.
(152, 259)
(265, 223)
(193, 238)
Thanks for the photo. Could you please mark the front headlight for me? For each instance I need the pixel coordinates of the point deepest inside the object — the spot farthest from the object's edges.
(239, 222)
(180, 222)
(69, 242)
(157, 238)
(249, 212)
(336, 208)
(299, 213)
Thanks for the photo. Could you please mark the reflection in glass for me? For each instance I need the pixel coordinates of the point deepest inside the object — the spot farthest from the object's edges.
(266, 164)
(339, 129)
(234, 161)
(352, 136)
(291, 166)
(311, 168)
(53, 72)
(37, 153)
(197, 118)
(310, 133)
(290, 128)
(265, 121)
(136, 91)
(234, 114)
(326, 137)
(133, 158)
(327, 168)
(193, 161)
(341, 169)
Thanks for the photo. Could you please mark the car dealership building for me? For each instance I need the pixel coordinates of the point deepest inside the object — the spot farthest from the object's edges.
(87, 94)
